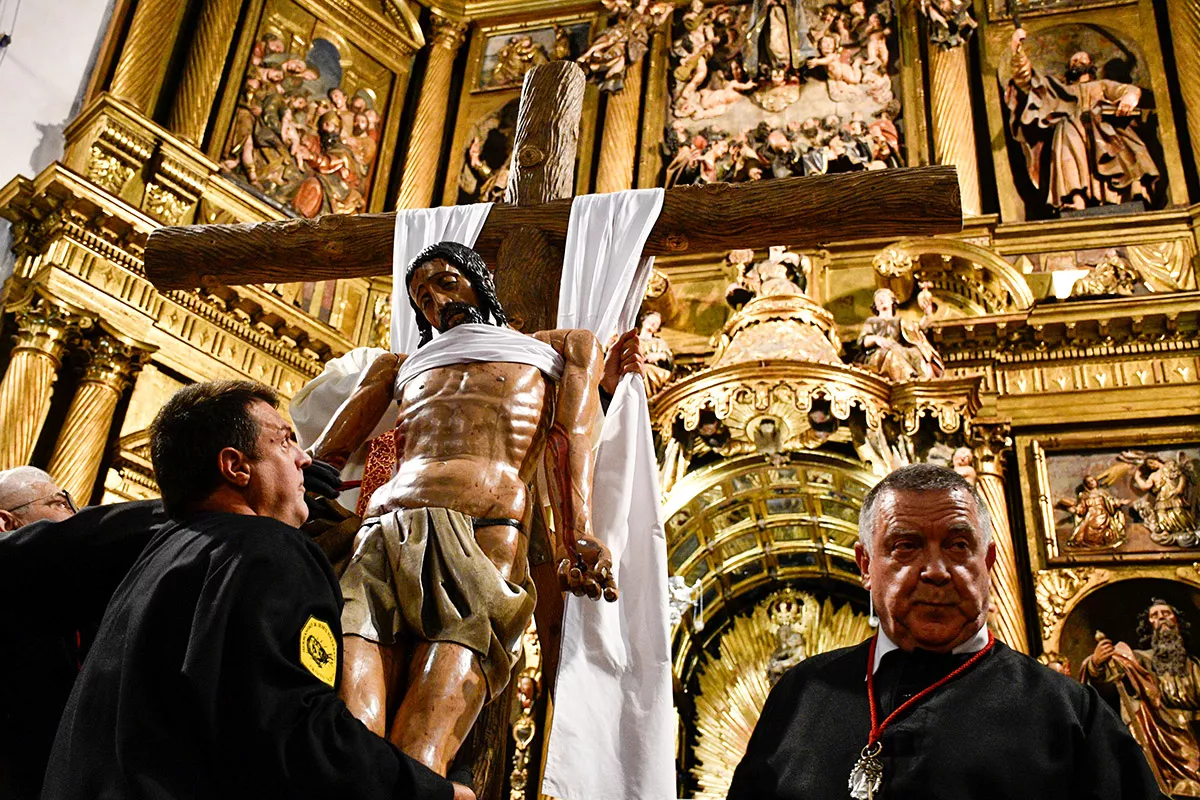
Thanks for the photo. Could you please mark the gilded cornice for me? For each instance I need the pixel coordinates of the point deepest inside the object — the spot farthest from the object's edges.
(487, 9)
(374, 31)
(1077, 329)
(86, 247)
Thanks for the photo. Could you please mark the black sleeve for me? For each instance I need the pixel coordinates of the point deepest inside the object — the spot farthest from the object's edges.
(754, 778)
(61, 575)
(1112, 765)
(283, 731)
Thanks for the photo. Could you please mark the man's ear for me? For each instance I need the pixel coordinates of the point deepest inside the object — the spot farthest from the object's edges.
(234, 466)
(991, 554)
(8, 521)
(863, 558)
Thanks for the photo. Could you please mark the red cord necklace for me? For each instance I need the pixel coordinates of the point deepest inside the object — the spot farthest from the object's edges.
(867, 775)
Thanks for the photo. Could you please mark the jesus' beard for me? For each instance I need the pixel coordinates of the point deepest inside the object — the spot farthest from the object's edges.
(467, 313)
(1168, 655)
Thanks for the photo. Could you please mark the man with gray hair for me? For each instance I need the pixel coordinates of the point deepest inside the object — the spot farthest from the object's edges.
(28, 494)
(933, 706)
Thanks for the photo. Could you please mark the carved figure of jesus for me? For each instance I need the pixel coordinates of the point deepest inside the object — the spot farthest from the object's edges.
(438, 591)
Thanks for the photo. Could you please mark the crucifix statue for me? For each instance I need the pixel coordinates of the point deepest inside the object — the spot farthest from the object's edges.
(522, 240)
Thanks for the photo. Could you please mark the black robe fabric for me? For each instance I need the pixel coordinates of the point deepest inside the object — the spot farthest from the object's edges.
(56, 579)
(1006, 728)
(196, 686)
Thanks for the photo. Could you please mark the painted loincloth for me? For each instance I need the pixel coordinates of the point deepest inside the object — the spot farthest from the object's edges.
(420, 573)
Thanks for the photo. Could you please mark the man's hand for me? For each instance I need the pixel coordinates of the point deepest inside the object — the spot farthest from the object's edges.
(463, 793)
(1017, 38)
(1103, 652)
(323, 479)
(624, 357)
(1127, 106)
(590, 573)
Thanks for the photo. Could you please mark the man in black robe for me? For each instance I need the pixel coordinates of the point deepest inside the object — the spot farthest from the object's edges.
(1005, 727)
(56, 577)
(215, 668)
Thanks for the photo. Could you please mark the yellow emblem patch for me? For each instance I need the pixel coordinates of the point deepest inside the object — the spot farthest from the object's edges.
(318, 650)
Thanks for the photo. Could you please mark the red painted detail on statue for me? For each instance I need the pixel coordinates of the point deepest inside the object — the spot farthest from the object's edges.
(557, 444)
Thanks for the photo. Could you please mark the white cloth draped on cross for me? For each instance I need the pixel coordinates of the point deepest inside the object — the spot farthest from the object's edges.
(612, 736)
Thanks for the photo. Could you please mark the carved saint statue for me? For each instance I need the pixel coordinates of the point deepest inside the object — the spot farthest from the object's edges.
(1166, 507)
(1079, 134)
(660, 360)
(777, 37)
(438, 593)
(1099, 519)
(963, 462)
(897, 348)
(624, 41)
(789, 651)
(782, 272)
(1159, 690)
(519, 55)
(1112, 275)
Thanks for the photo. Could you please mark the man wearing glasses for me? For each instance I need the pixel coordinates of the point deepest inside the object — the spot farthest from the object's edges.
(27, 494)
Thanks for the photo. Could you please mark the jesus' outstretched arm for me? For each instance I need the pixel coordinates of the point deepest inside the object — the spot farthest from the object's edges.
(358, 416)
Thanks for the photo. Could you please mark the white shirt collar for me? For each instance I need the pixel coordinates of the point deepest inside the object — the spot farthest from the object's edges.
(885, 645)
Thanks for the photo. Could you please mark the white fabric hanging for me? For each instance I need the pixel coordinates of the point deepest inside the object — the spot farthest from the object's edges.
(612, 736)
(318, 401)
(480, 341)
(416, 229)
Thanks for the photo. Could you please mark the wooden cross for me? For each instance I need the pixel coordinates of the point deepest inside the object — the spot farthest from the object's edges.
(523, 236)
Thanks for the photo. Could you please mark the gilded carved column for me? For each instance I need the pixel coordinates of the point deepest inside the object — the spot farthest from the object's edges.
(42, 331)
(146, 53)
(618, 145)
(429, 125)
(202, 72)
(1185, 32)
(1008, 618)
(950, 107)
(112, 365)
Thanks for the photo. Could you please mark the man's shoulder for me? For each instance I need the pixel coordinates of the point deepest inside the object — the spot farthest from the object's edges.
(1030, 675)
(832, 665)
(246, 536)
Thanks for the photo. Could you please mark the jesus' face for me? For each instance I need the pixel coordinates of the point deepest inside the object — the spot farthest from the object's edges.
(444, 295)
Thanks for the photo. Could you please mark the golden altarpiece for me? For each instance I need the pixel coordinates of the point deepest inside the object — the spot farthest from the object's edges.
(1049, 352)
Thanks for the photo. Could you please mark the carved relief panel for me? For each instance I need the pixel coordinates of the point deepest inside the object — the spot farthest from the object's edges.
(309, 119)
(306, 127)
(774, 88)
(1113, 499)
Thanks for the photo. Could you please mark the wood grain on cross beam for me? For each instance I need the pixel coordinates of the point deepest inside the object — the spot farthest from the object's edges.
(798, 212)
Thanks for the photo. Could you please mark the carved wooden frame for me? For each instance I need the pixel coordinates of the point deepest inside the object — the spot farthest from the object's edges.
(475, 103)
(376, 36)
(1040, 530)
(1134, 22)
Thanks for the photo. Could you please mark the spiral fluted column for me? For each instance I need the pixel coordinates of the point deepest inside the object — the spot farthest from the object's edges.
(618, 145)
(80, 447)
(429, 125)
(42, 330)
(1008, 618)
(202, 72)
(146, 53)
(1185, 32)
(953, 124)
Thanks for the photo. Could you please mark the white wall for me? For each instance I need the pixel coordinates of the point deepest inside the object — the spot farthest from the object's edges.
(43, 74)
